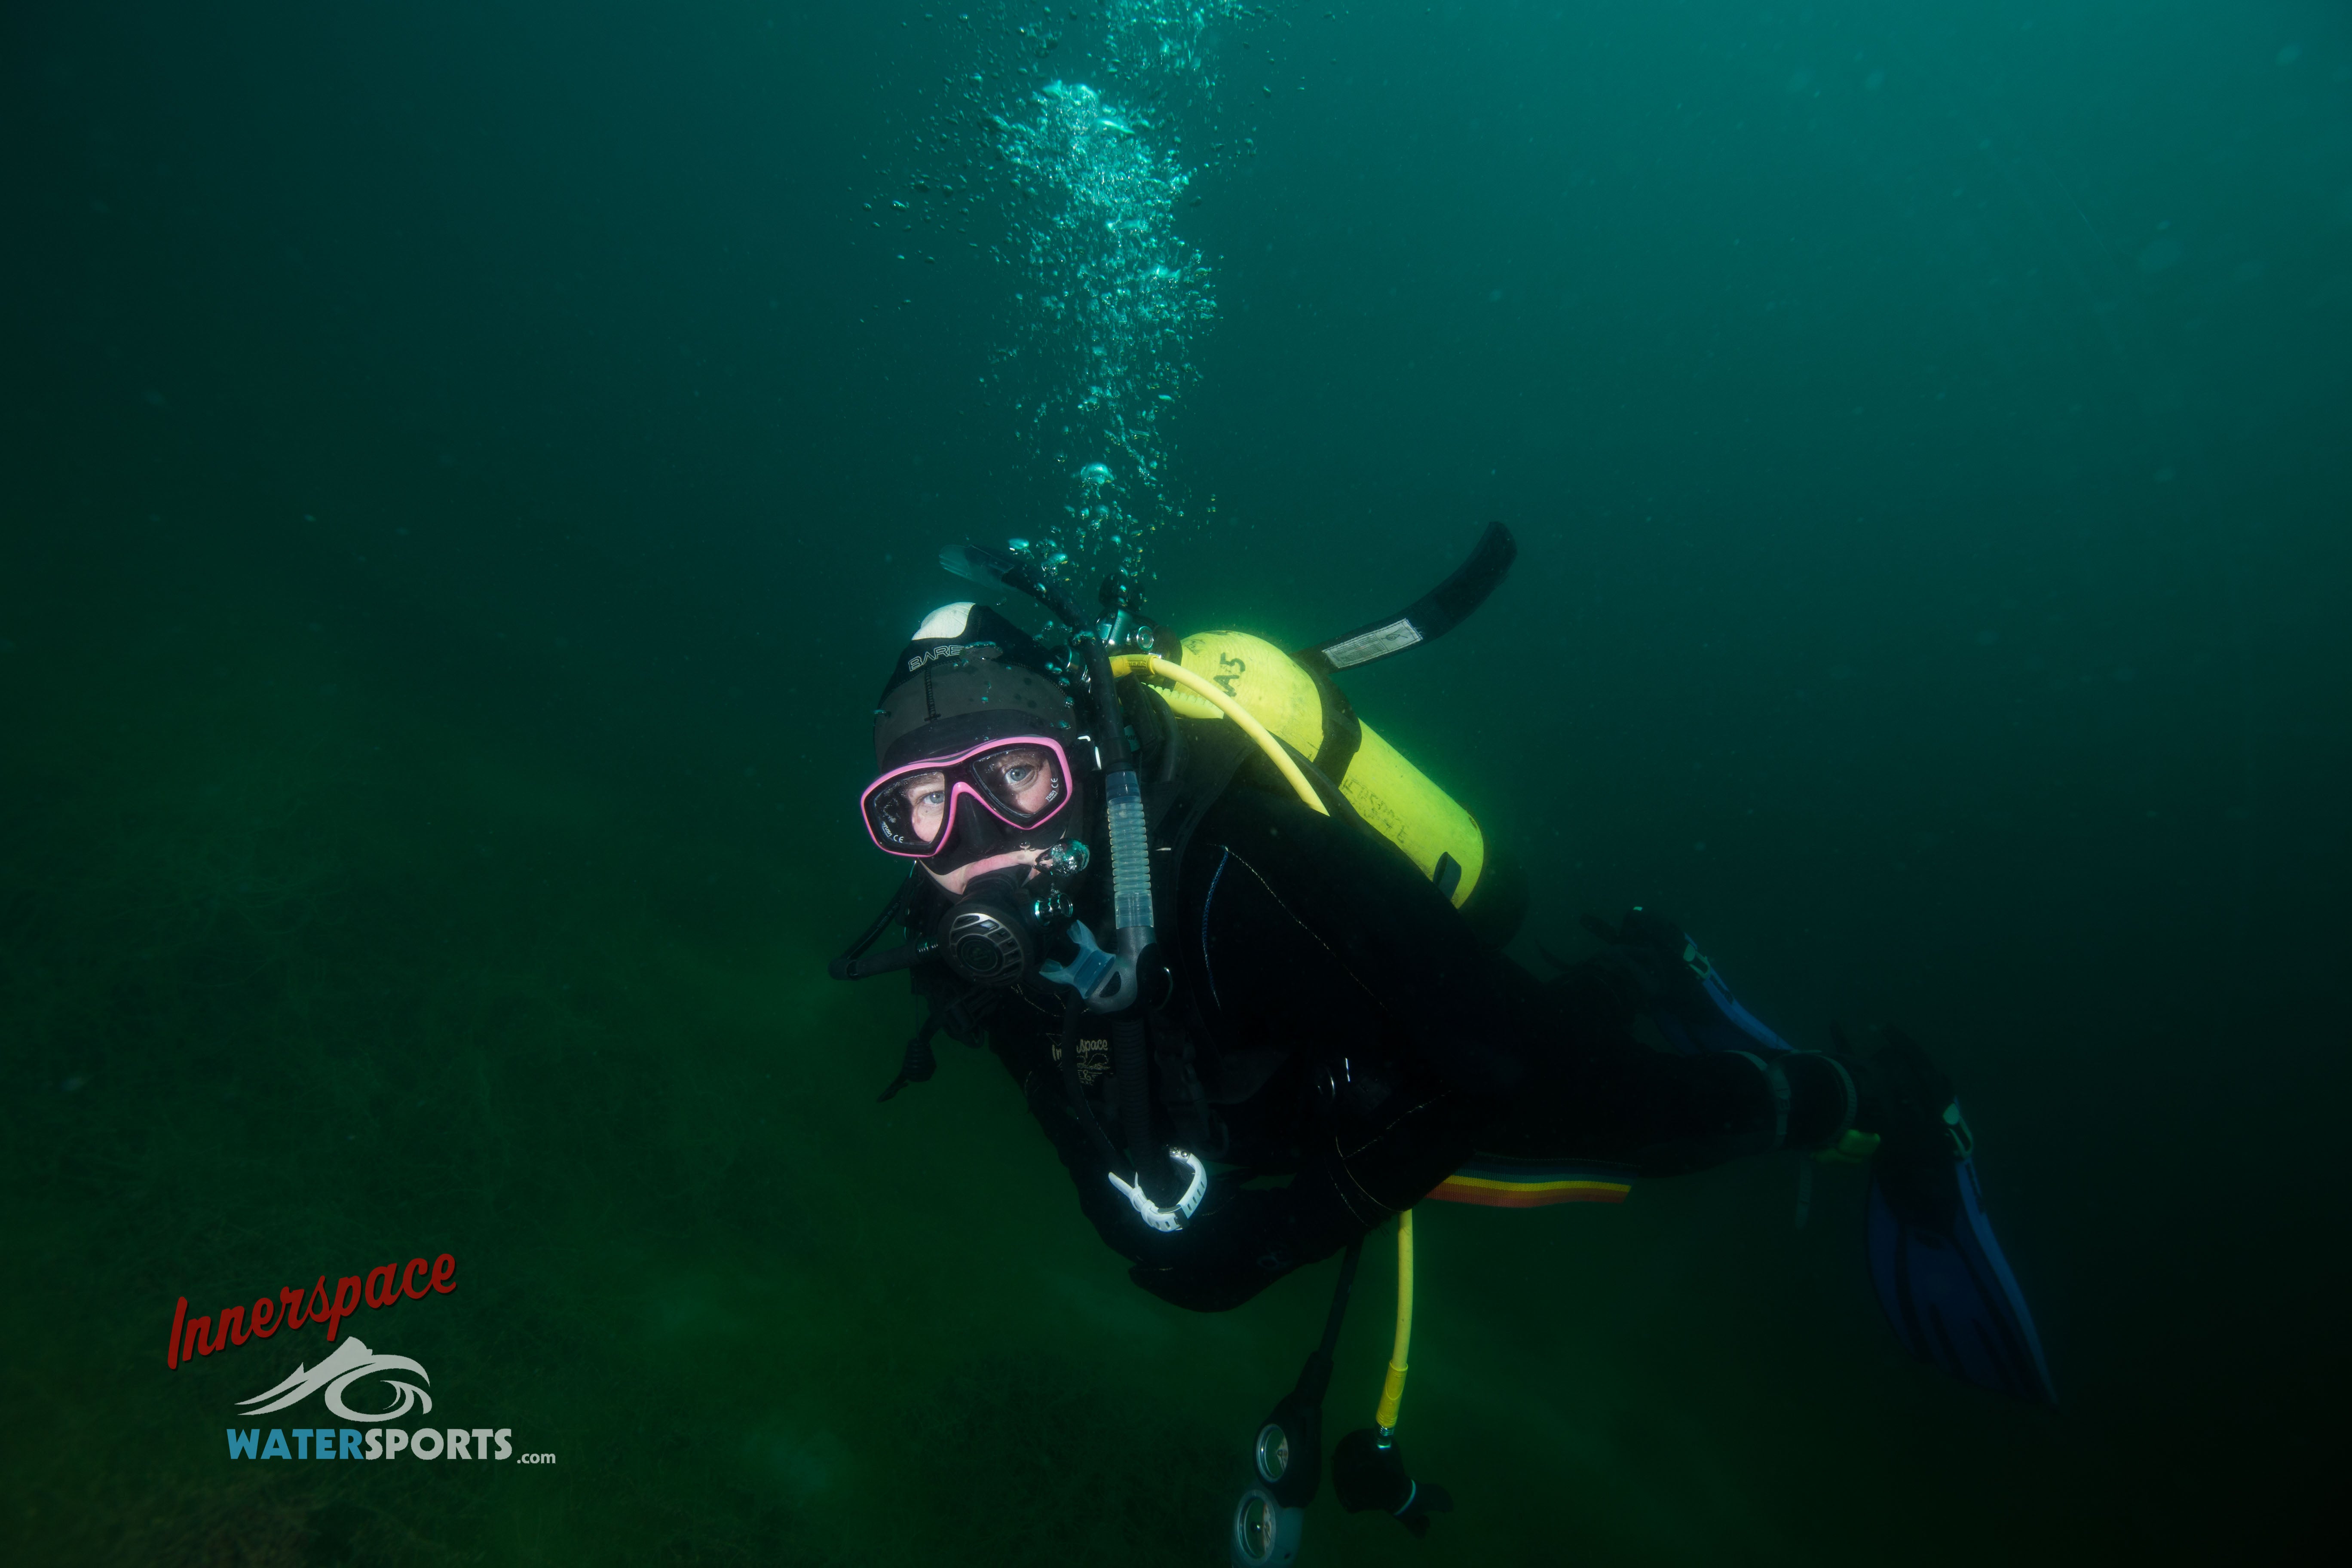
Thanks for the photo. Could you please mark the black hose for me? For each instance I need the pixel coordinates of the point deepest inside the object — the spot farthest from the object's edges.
(1110, 723)
(1131, 1058)
(1339, 1293)
(918, 1062)
(1315, 1377)
(850, 966)
(1073, 1009)
(881, 924)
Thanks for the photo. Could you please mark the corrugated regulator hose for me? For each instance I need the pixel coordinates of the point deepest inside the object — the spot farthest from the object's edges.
(1130, 850)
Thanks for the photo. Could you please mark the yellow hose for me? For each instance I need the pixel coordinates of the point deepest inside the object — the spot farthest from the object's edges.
(1392, 1391)
(1208, 692)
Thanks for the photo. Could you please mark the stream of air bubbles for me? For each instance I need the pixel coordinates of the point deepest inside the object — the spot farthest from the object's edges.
(1071, 134)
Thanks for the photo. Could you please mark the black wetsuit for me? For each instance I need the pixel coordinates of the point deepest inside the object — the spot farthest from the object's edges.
(1337, 1022)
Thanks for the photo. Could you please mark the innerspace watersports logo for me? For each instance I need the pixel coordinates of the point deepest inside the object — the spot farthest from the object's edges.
(368, 1387)
(354, 1364)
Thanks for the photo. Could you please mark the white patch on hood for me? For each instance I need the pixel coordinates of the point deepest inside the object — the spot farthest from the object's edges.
(947, 621)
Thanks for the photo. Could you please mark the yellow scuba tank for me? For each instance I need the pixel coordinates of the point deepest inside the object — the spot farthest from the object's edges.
(1308, 713)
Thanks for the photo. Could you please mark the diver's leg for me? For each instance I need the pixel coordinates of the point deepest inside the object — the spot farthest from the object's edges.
(1596, 1091)
(1738, 1088)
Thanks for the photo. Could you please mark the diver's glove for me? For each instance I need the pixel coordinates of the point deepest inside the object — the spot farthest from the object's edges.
(1243, 1239)
(1112, 1216)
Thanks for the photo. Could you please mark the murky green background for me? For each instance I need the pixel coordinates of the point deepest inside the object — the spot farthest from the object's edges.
(464, 468)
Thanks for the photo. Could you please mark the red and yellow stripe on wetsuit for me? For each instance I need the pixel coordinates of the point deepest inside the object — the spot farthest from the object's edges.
(1498, 1183)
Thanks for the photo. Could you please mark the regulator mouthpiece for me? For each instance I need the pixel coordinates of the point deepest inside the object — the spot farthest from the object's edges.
(989, 936)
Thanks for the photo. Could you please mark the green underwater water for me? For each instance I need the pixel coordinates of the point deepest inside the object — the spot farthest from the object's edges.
(467, 470)
(757, 1317)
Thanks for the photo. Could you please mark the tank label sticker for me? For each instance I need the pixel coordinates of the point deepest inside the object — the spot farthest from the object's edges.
(1378, 643)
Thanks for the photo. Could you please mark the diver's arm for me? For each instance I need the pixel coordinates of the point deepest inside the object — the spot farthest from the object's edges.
(1108, 1212)
(1302, 916)
(1244, 1238)
(1023, 1042)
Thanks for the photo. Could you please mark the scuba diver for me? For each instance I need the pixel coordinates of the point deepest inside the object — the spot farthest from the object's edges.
(1281, 1015)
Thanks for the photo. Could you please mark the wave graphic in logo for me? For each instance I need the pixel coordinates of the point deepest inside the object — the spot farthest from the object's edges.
(352, 1362)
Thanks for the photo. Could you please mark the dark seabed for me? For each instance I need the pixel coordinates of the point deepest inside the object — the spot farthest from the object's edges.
(467, 467)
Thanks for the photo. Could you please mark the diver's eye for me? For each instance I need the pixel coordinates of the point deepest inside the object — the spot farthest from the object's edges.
(1020, 774)
(931, 800)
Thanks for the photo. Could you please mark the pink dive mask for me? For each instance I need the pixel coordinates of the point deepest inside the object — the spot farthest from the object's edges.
(1022, 781)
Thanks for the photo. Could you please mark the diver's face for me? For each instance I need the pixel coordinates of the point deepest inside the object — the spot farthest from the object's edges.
(1019, 779)
(1015, 787)
(960, 878)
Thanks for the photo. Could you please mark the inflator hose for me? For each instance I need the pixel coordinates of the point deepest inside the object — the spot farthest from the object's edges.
(1392, 1391)
(1208, 692)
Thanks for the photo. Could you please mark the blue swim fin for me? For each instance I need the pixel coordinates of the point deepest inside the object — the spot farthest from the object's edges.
(1947, 1289)
(1941, 1275)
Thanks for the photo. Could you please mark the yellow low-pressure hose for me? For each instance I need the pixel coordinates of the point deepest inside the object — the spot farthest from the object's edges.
(1392, 1391)
(1159, 669)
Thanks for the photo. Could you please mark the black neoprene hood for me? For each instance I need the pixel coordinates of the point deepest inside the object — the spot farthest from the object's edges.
(980, 679)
